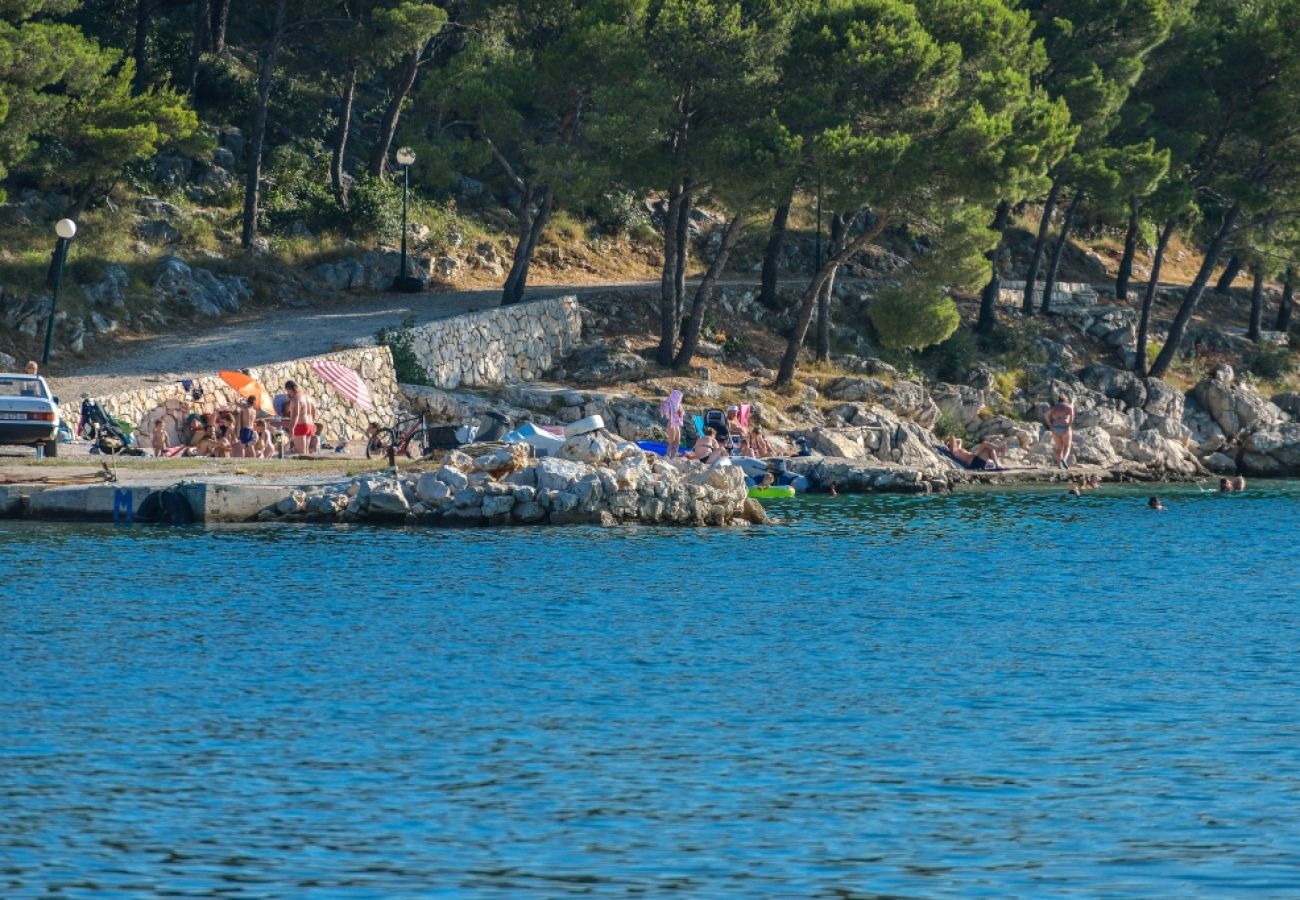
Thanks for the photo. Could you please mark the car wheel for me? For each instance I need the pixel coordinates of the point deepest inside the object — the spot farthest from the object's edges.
(51, 448)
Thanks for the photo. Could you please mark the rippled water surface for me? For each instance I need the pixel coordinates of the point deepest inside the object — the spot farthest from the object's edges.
(975, 695)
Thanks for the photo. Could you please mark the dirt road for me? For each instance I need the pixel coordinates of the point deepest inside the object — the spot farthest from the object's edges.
(274, 335)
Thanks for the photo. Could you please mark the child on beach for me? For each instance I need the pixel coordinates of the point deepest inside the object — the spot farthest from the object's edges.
(247, 437)
(263, 448)
(675, 414)
(160, 442)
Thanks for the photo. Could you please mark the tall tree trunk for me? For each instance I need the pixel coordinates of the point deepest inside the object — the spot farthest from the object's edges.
(989, 296)
(406, 73)
(1256, 304)
(1149, 298)
(140, 48)
(683, 252)
(704, 293)
(826, 295)
(1130, 250)
(1054, 268)
(266, 69)
(220, 13)
(1230, 273)
(823, 351)
(202, 37)
(775, 241)
(668, 321)
(1284, 308)
(341, 141)
(531, 224)
(785, 374)
(1040, 245)
(1193, 295)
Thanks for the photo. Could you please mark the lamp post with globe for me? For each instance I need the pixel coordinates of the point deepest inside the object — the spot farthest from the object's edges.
(404, 282)
(66, 229)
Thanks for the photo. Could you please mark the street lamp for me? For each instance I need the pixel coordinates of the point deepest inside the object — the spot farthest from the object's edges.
(66, 229)
(404, 282)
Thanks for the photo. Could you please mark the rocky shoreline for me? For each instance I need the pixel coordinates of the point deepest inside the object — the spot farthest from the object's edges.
(595, 480)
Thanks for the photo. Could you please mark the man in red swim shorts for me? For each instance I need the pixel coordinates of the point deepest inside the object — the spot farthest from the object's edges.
(301, 411)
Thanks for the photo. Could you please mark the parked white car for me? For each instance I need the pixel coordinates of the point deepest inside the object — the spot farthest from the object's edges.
(29, 413)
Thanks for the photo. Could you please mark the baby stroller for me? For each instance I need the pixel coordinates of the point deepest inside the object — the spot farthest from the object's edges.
(102, 430)
(717, 420)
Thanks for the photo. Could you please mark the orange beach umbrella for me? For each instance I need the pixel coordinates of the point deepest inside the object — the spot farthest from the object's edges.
(248, 386)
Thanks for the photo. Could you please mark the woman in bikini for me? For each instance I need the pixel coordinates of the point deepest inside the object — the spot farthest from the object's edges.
(1059, 418)
(707, 448)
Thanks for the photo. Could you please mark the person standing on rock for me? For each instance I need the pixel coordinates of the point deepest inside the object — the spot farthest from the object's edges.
(675, 414)
(301, 411)
(1060, 419)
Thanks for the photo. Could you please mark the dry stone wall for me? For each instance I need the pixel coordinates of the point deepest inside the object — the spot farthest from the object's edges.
(337, 416)
(498, 346)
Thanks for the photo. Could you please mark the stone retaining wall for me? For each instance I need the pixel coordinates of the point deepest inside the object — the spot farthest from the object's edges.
(337, 416)
(498, 346)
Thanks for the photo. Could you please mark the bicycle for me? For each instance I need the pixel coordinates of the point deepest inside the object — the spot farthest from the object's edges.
(414, 442)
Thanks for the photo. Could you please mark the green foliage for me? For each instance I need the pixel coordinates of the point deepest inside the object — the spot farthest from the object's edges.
(1270, 363)
(1008, 381)
(375, 208)
(951, 359)
(618, 212)
(947, 425)
(913, 317)
(400, 340)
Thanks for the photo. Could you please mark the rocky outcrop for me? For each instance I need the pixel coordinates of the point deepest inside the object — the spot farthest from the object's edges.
(877, 434)
(198, 291)
(599, 479)
(1234, 406)
(907, 399)
(1272, 451)
(1235, 430)
(374, 271)
(604, 364)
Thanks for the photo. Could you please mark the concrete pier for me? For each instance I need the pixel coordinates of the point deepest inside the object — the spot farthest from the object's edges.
(210, 502)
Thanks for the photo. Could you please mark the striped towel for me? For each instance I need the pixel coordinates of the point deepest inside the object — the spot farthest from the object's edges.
(345, 381)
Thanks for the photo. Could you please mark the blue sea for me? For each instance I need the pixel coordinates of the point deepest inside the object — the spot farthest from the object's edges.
(975, 695)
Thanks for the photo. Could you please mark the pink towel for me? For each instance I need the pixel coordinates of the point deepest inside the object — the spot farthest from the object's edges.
(672, 410)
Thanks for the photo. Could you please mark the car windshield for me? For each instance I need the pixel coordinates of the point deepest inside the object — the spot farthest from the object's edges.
(21, 386)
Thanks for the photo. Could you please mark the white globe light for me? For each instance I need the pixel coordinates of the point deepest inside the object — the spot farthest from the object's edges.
(405, 156)
(65, 228)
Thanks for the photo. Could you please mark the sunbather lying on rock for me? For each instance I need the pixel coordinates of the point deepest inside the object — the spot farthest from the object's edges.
(981, 456)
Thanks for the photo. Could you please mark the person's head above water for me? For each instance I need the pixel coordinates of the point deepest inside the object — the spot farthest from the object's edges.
(1225, 485)
(1155, 503)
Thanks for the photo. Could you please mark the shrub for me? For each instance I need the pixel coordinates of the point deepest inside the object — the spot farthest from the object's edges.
(953, 358)
(618, 212)
(375, 208)
(400, 341)
(1269, 362)
(914, 318)
(1006, 383)
(947, 426)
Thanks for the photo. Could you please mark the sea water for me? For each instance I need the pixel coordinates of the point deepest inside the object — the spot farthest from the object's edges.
(984, 694)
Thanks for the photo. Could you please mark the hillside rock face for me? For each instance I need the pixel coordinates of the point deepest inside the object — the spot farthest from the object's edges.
(198, 290)
(1236, 430)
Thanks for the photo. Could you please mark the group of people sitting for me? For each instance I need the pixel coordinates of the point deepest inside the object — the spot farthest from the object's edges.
(244, 431)
(738, 436)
